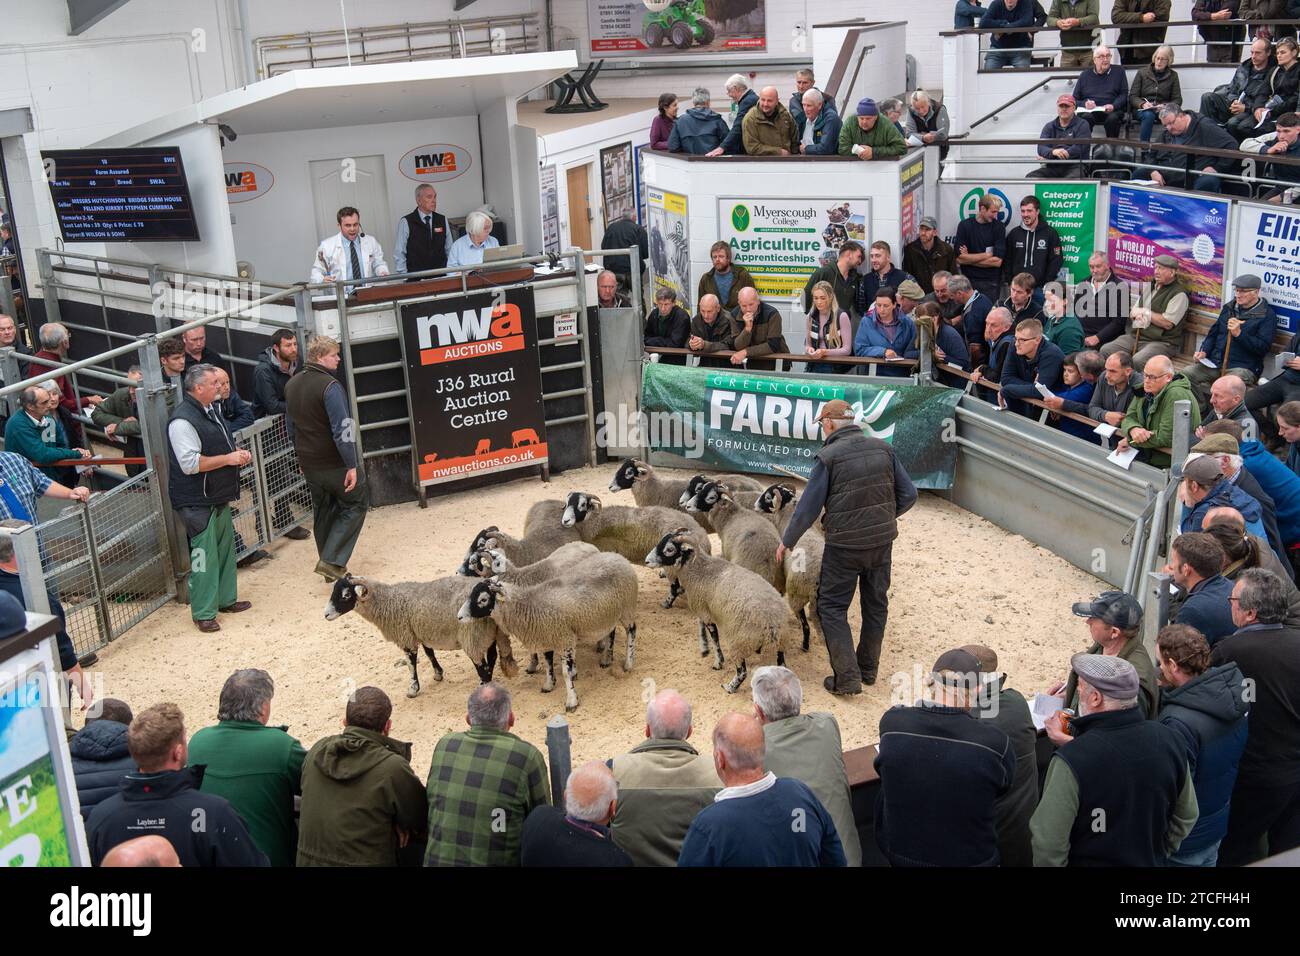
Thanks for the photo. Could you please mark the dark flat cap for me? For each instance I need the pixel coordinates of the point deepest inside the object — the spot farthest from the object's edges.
(1166, 260)
(1248, 281)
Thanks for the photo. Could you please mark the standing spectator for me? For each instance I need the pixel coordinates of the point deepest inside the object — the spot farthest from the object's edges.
(909, 296)
(927, 255)
(805, 80)
(966, 13)
(842, 274)
(946, 343)
(203, 468)
(1264, 818)
(1204, 487)
(868, 138)
(624, 233)
(276, 364)
(362, 804)
(1078, 21)
(11, 583)
(607, 294)
(320, 425)
(171, 356)
(1278, 482)
(743, 99)
(1034, 362)
(21, 484)
(756, 330)
(1144, 24)
(710, 332)
(56, 341)
(1148, 425)
(1234, 103)
(1060, 327)
(699, 130)
(749, 822)
(1009, 49)
(1258, 10)
(805, 747)
(886, 332)
(1225, 448)
(663, 782)
(892, 110)
(1288, 428)
(1222, 44)
(882, 274)
(1243, 551)
(1034, 247)
(1244, 331)
(163, 797)
(1066, 161)
(725, 279)
(1157, 319)
(1207, 708)
(1154, 85)
(195, 344)
(1103, 87)
(661, 128)
(145, 851)
(483, 783)
(942, 772)
(117, 416)
(949, 308)
(981, 243)
(925, 123)
(864, 489)
(975, 308)
(997, 344)
(579, 835)
(1119, 791)
(237, 412)
(769, 129)
(818, 126)
(255, 766)
(1115, 625)
(100, 756)
(10, 339)
(827, 331)
(667, 325)
(39, 437)
(1101, 303)
(1195, 561)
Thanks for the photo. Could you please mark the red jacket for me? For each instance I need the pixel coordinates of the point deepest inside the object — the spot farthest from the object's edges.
(69, 400)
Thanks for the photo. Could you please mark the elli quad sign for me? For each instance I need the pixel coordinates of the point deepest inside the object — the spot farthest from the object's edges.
(247, 181)
(435, 163)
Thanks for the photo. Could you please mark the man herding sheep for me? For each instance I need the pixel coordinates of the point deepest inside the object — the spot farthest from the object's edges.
(864, 488)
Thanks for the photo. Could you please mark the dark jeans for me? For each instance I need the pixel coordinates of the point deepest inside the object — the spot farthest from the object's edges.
(1057, 169)
(1275, 391)
(337, 515)
(1218, 107)
(1147, 122)
(1258, 813)
(1111, 121)
(844, 572)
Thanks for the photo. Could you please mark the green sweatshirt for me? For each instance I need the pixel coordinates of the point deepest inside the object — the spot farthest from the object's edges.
(885, 140)
(114, 410)
(1158, 418)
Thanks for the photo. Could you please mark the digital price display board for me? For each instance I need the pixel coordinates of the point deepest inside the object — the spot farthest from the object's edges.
(121, 195)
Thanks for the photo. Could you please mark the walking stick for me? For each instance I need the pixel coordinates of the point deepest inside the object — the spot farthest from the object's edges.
(1227, 348)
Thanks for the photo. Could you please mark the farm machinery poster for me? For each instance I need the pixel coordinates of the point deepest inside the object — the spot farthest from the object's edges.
(474, 383)
(640, 27)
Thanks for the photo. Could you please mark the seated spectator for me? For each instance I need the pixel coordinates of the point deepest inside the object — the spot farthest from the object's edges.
(1117, 384)
(868, 138)
(769, 129)
(145, 851)
(607, 294)
(1020, 299)
(362, 804)
(1115, 769)
(1248, 323)
(981, 243)
(842, 274)
(827, 332)
(699, 130)
(626, 233)
(1115, 626)
(1009, 49)
(100, 756)
(710, 332)
(1288, 429)
(1156, 320)
(1034, 362)
(818, 126)
(37, 435)
(1206, 707)
(975, 310)
(117, 416)
(892, 110)
(1064, 161)
(1243, 551)
(966, 13)
(1078, 21)
(756, 331)
(927, 255)
(255, 766)
(1033, 247)
(1100, 303)
(1195, 563)
(999, 342)
(1060, 327)
(1285, 142)
(1079, 377)
(743, 99)
(237, 412)
(748, 824)
(949, 308)
(1228, 402)
(1234, 103)
(886, 333)
(942, 772)
(882, 273)
(1185, 128)
(163, 796)
(1102, 90)
(1204, 487)
(909, 296)
(925, 123)
(1226, 450)
(483, 783)
(663, 783)
(805, 747)
(805, 80)
(661, 127)
(946, 344)
(725, 279)
(1222, 44)
(579, 835)
(1153, 86)
(1264, 817)
(667, 325)
(1284, 83)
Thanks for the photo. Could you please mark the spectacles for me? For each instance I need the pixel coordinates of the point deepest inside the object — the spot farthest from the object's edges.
(1234, 600)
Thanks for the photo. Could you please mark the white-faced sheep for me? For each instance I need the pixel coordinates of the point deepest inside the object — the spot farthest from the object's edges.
(741, 612)
(649, 488)
(802, 563)
(417, 615)
(748, 539)
(590, 602)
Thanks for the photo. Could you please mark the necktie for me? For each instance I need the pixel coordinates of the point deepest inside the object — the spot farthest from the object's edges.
(356, 263)
(428, 221)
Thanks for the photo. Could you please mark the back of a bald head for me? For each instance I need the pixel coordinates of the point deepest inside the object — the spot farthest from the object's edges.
(740, 738)
(668, 716)
(590, 791)
(145, 851)
(1228, 517)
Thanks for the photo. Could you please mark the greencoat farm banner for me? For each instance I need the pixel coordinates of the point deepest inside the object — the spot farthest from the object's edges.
(754, 422)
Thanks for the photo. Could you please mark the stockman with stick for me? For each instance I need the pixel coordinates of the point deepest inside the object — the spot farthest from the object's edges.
(1155, 324)
(863, 489)
(1237, 343)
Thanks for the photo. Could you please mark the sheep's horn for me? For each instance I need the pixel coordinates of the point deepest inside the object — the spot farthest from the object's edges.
(594, 500)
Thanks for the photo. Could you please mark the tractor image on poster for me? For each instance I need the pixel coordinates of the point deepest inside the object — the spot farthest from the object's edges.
(681, 22)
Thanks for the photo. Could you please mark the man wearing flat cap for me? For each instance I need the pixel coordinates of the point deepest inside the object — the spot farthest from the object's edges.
(1155, 324)
(868, 137)
(1119, 790)
(942, 771)
(863, 489)
(1237, 343)
(1115, 624)
(1227, 450)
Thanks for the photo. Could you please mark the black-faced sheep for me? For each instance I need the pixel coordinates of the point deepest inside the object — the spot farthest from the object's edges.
(494, 563)
(748, 539)
(776, 503)
(530, 548)
(648, 488)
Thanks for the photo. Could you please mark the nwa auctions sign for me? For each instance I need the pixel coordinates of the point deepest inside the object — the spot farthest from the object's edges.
(768, 423)
(475, 384)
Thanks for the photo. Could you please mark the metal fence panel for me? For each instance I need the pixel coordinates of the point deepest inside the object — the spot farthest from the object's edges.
(273, 493)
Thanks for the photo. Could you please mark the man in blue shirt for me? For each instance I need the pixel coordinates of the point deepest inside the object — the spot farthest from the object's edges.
(966, 13)
(1009, 49)
(1195, 561)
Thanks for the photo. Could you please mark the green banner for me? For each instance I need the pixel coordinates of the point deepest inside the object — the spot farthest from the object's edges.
(1071, 209)
(766, 423)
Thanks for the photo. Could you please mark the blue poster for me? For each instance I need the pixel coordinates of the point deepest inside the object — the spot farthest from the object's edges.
(1144, 224)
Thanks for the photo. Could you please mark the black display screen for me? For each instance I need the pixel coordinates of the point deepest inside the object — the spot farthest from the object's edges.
(121, 195)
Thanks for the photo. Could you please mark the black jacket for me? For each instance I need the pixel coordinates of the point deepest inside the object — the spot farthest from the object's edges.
(624, 234)
(204, 829)
(1201, 132)
(733, 144)
(1038, 253)
(204, 489)
(1269, 656)
(99, 762)
(668, 331)
(269, 380)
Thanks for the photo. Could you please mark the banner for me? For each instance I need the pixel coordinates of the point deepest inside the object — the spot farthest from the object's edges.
(911, 177)
(1143, 224)
(640, 184)
(782, 241)
(475, 384)
(618, 183)
(670, 247)
(766, 423)
(550, 209)
(1268, 245)
(660, 27)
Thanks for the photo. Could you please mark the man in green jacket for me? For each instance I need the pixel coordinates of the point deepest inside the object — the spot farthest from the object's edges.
(1115, 625)
(725, 279)
(362, 804)
(256, 767)
(769, 129)
(117, 416)
(869, 138)
(1149, 423)
(1076, 19)
(36, 434)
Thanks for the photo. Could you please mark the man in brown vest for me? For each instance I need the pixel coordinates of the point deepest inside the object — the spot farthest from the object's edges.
(319, 421)
(864, 488)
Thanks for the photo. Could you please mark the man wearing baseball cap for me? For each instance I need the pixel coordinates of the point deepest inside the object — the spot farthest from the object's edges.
(1225, 447)
(928, 254)
(1119, 790)
(863, 489)
(1204, 487)
(1115, 623)
(1065, 161)
(868, 138)
(1237, 343)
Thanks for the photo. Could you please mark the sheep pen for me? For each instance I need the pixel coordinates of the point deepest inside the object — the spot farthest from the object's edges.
(957, 579)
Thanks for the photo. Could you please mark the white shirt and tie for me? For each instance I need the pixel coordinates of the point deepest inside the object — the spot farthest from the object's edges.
(334, 256)
(404, 235)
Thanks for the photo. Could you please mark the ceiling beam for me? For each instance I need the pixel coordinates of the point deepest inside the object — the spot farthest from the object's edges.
(84, 14)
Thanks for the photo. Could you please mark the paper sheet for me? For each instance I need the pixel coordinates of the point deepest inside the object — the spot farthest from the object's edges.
(1042, 707)
(1122, 458)
(1043, 390)
(1208, 364)
(1104, 430)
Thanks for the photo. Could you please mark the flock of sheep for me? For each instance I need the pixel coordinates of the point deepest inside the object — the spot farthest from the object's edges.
(570, 579)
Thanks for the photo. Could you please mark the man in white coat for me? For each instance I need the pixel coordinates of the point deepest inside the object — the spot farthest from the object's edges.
(349, 253)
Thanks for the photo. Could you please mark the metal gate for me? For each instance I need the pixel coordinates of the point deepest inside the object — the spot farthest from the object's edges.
(273, 495)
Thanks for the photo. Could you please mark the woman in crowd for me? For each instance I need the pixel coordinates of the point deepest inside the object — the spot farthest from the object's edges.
(947, 345)
(1153, 86)
(827, 331)
(1288, 426)
(662, 126)
(1241, 552)
(886, 332)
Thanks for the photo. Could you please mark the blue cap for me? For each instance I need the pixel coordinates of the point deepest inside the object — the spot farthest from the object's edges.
(1115, 608)
(867, 107)
(13, 619)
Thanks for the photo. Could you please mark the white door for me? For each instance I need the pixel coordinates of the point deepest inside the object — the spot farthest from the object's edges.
(353, 181)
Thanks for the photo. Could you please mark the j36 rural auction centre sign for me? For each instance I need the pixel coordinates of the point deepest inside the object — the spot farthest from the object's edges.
(475, 384)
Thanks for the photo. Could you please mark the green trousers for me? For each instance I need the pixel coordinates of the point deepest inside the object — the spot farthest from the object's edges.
(337, 515)
(212, 566)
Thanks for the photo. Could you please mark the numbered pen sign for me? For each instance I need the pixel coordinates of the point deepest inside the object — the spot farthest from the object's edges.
(247, 181)
(435, 163)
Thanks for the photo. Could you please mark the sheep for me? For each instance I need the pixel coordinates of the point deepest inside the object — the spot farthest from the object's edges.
(736, 606)
(650, 489)
(529, 549)
(591, 602)
(748, 539)
(543, 518)
(776, 503)
(417, 615)
(494, 563)
(803, 570)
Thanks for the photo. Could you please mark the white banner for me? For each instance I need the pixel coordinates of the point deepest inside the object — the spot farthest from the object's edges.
(1268, 245)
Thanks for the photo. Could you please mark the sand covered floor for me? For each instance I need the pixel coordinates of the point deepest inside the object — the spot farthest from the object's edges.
(957, 579)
